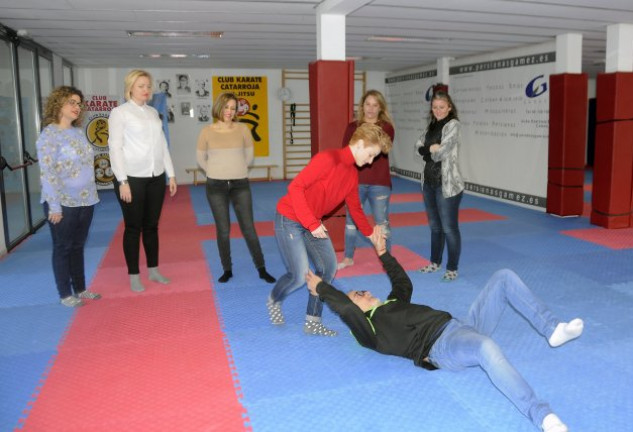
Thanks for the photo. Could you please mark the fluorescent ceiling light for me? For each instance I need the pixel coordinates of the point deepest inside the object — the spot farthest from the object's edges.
(144, 33)
(156, 56)
(406, 39)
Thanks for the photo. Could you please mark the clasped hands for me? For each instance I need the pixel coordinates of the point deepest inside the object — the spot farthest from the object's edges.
(377, 238)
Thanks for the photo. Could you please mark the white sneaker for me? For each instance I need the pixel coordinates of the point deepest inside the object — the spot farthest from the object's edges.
(71, 301)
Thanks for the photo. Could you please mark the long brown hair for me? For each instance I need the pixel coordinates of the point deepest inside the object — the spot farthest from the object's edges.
(383, 116)
(452, 114)
(56, 100)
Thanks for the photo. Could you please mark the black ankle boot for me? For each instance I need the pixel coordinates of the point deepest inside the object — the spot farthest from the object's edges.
(263, 274)
(228, 274)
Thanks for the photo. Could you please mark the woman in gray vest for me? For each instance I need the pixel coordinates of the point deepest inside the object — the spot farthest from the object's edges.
(442, 183)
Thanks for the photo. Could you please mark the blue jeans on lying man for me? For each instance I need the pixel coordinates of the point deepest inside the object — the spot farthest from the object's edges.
(297, 247)
(467, 343)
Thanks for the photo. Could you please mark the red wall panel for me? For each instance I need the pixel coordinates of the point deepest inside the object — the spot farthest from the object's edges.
(567, 143)
(331, 109)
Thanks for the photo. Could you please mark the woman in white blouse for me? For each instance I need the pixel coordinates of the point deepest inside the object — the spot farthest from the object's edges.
(140, 161)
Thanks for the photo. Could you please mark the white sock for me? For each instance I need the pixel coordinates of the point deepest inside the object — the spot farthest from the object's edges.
(135, 283)
(551, 423)
(564, 332)
(155, 276)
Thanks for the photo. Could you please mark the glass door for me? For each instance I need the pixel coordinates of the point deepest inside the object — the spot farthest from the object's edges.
(30, 110)
(12, 178)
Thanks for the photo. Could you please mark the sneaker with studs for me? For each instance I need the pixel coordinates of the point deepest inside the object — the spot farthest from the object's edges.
(431, 268)
(449, 276)
(71, 301)
(317, 328)
(274, 312)
(89, 295)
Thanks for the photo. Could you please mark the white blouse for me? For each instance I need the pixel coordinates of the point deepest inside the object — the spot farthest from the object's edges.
(138, 147)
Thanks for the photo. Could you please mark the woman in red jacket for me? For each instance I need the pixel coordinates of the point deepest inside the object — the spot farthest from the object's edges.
(328, 180)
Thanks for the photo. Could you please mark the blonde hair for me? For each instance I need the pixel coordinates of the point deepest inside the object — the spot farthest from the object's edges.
(372, 135)
(383, 116)
(56, 100)
(220, 103)
(131, 78)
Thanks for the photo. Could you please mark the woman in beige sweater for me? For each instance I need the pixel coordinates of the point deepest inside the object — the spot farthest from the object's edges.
(224, 151)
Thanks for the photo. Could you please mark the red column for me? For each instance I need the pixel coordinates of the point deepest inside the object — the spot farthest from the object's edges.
(331, 109)
(567, 141)
(612, 196)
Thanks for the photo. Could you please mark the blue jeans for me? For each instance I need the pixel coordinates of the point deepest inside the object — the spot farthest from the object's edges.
(443, 214)
(378, 197)
(221, 193)
(69, 239)
(468, 343)
(297, 245)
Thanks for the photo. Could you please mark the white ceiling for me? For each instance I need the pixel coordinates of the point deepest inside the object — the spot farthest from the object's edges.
(282, 33)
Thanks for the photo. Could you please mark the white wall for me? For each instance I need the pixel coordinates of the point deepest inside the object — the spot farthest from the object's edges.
(184, 132)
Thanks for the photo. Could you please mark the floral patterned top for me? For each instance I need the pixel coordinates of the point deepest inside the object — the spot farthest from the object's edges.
(66, 164)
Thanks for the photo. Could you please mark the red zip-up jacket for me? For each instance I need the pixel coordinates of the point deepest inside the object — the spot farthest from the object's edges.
(329, 179)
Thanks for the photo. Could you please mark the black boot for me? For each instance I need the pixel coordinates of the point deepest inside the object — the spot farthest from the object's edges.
(263, 274)
(228, 274)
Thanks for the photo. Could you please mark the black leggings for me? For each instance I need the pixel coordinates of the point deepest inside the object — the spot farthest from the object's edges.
(141, 217)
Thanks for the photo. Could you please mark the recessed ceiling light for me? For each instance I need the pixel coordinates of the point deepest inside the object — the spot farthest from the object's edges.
(406, 39)
(178, 55)
(147, 33)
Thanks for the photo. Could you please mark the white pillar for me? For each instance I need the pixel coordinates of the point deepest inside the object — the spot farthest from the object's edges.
(569, 53)
(330, 37)
(619, 57)
(331, 27)
(443, 69)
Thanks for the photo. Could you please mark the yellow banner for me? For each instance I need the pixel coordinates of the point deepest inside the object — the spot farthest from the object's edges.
(252, 107)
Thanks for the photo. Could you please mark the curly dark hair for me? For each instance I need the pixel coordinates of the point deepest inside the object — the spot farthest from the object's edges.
(56, 101)
(444, 96)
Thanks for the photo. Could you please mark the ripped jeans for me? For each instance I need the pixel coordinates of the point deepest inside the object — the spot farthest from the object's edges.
(297, 247)
(378, 197)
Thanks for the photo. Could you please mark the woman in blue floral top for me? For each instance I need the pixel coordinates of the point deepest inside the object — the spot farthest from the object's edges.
(69, 193)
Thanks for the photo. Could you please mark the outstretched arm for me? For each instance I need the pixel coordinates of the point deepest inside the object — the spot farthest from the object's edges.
(401, 286)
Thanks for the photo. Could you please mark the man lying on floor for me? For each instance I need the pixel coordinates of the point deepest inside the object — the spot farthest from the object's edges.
(434, 339)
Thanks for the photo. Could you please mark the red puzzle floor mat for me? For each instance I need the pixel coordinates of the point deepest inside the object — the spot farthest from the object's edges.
(611, 238)
(419, 218)
(366, 261)
(152, 361)
(406, 197)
